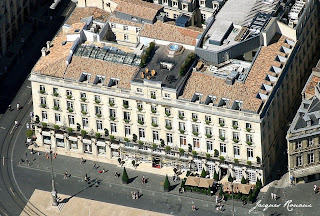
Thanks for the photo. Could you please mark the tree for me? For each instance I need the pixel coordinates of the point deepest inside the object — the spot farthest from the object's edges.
(215, 176)
(203, 173)
(220, 192)
(106, 132)
(243, 180)
(258, 183)
(134, 137)
(119, 160)
(83, 133)
(29, 133)
(133, 163)
(166, 184)
(125, 178)
(230, 179)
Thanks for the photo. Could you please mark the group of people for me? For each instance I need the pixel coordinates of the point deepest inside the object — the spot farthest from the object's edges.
(135, 194)
(316, 189)
(274, 196)
(219, 205)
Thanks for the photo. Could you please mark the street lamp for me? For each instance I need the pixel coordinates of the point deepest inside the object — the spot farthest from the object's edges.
(232, 199)
(53, 192)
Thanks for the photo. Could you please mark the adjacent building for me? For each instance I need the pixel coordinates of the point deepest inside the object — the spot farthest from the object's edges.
(12, 14)
(304, 134)
(148, 97)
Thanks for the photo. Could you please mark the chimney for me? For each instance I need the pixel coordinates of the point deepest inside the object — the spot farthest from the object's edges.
(44, 51)
(48, 45)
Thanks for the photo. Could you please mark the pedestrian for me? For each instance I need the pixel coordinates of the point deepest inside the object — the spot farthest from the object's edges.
(103, 170)
(116, 175)
(315, 189)
(65, 175)
(86, 178)
(16, 123)
(275, 196)
(193, 207)
(18, 106)
(39, 153)
(94, 166)
(32, 151)
(272, 196)
(27, 126)
(143, 179)
(9, 107)
(82, 160)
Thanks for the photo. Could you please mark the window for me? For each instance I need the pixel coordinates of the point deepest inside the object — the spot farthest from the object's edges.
(125, 28)
(56, 103)
(126, 37)
(98, 110)
(182, 126)
(71, 120)
(43, 100)
(153, 94)
(235, 124)
(69, 93)
(57, 118)
(169, 138)
(140, 118)
(165, 1)
(69, 105)
(310, 157)
(127, 130)
(298, 144)
(238, 174)
(195, 128)
(44, 116)
(138, 30)
(167, 111)
(194, 117)
(208, 131)
(112, 113)
(84, 108)
(209, 146)
(139, 90)
(235, 136)
(202, 3)
(154, 120)
(83, 95)
(221, 122)
(252, 176)
(42, 88)
(174, 3)
(99, 125)
(55, 91)
(141, 133)
(111, 101)
(249, 138)
(208, 119)
(125, 104)
(113, 25)
(250, 153)
(175, 16)
(126, 116)
(97, 98)
(181, 113)
(167, 95)
(183, 141)
(299, 160)
(113, 127)
(310, 141)
(203, 16)
(196, 143)
(153, 108)
(155, 135)
(184, 7)
(222, 133)
(236, 151)
(140, 106)
(223, 149)
(168, 123)
(248, 125)
(85, 122)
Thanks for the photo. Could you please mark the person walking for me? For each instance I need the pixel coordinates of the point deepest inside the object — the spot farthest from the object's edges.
(27, 126)
(103, 170)
(16, 123)
(9, 107)
(82, 160)
(65, 175)
(193, 207)
(143, 180)
(94, 166)
(86, 178)
(18, 106)
(315, 189)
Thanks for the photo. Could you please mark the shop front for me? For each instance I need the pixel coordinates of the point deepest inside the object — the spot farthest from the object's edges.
(101, 146)
(46, 137)
(60, 141)
(73, 143)
(87, 146)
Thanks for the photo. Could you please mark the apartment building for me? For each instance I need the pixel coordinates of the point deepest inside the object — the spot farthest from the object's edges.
(303, 134)
(12, 14)
(225, 112)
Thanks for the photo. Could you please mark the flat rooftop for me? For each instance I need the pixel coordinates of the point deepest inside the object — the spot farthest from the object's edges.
(234, 15)
(169, 78)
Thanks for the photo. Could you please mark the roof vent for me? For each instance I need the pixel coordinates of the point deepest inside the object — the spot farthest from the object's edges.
(44, 51)
(232, 77)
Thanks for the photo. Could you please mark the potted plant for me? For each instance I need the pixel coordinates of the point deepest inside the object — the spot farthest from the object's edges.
(112, 138)
(258, 160)
(166, 184)
(208, 155)
(43, 105)
(181, 117)
(70, 130)
(111, 104)
(126, 139)
(194, 119)
(42, 91)
(98, 135)
(98, 115)
(248, 129)
(29, 133)
(181, 151)
(125, 106)
(83, 99)
(194, 153)
(56, 94)
(236, 161)
(70, 110)
(168, 127)
(83, 133)
(168, 114)
(221, 124)
(84, 112)
(249, 143)
(56, 127)
(203, 173)
(182, 131)
(154, 125)
(243, 180)
(208, 122)
(168, 148)
(222, 138)
(56, 108)
(208, 136)
(216, 153)
(235, 140)
(235, 126)
(154, 146)
(153, 111)
(97, 101)
(134, 137)
(69, 96)
(106, 132)
(195, 133)
(249, 163)
(140, 109)
(221, 158)
(44, 124)
(112, 118)
(125, 178)
(140, 122)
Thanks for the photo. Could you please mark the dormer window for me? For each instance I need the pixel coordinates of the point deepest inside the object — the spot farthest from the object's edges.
(310, 141)
(174, 3)
(84, 77)
(298, 144)
(125, 28)
(223, 102)
(237, 105)
(210, 100)
(113, 82)
(196, 97)
(184, 7)
(99, 79)
(165, 2)
(202, 3)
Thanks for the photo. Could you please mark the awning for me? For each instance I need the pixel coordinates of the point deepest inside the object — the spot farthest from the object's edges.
(193, 181)
(205, 183)
(46, 133)
(100, 143)
(72, 138)
(237, 187)
(59, 136)
(114, 146)
(86, 141)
